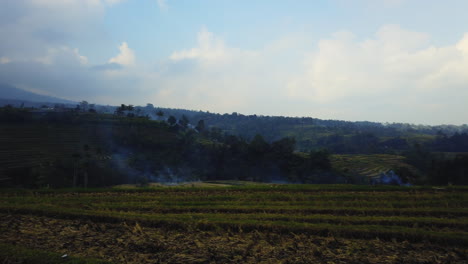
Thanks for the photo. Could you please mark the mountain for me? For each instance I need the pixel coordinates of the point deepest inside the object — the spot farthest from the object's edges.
(13, 93)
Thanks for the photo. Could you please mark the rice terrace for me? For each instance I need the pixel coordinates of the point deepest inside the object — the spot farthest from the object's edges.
(236, 222)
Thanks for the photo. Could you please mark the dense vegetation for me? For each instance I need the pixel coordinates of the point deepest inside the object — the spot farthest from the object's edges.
(73, 148)
(82, 146)
(230, 223)
(341, 137)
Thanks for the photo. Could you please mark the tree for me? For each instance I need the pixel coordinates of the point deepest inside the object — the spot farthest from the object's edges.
(200, 126)
(320, 160)
(86, 164)
(258, 146)
(172, 120)
(284, 146)
(184, 121)
(160, 114)
(120, 110)
(84, 106)
(216, 133)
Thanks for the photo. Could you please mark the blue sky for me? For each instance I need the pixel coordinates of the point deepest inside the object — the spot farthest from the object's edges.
(377, 60)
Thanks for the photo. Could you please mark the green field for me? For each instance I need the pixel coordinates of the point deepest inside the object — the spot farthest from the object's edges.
(234, 222)
(369, 166)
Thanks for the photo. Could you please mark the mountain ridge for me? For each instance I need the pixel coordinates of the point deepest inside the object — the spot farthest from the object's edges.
(11, 92)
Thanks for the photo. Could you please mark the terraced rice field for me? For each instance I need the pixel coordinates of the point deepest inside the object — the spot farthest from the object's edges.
(238, 224)
(369, 165)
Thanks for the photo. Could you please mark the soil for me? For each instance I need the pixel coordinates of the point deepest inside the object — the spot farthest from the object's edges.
(122, 243)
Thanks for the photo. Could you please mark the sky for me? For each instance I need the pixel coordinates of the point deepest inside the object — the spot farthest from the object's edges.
(374, 60)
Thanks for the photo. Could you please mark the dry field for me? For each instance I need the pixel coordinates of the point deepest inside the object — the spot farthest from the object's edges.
(243, 224)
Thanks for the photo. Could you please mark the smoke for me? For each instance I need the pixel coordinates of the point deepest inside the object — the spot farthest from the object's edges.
(390, 178)
(141, 171)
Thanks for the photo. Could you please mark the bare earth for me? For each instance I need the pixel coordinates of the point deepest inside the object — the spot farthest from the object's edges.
(121, 243)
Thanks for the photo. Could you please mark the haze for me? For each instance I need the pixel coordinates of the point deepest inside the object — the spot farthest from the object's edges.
(381, 60)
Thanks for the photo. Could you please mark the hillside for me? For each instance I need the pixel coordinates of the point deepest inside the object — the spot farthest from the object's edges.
(73, 147)
(344, 137)
(9, 92)
(89, 149)
(338, 136)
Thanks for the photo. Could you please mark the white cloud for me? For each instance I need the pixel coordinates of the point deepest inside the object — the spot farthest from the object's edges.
(29, 28)
(463, 45)
(38, 38)
(113, 2)
(398, 69)
(396, 75)
(209, 48)
(395, 61)
(216, 77)
(32, 27)
(62, 55)
(126, 56)
(162, 4)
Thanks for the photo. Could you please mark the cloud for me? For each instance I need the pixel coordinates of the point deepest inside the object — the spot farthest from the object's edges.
(217, 77)
(126, 56)
(30, 27)
(61, 55)
(107, 67)
(395, 59)
(162, 4)
(396, 67)
(37, 51)
(209, 49)
(113, 2)
(395, 75)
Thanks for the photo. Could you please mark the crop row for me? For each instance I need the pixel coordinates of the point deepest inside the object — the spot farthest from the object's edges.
(338, 190)
(238, 201)
(364, 231)
(234, 194)
(334, 216)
